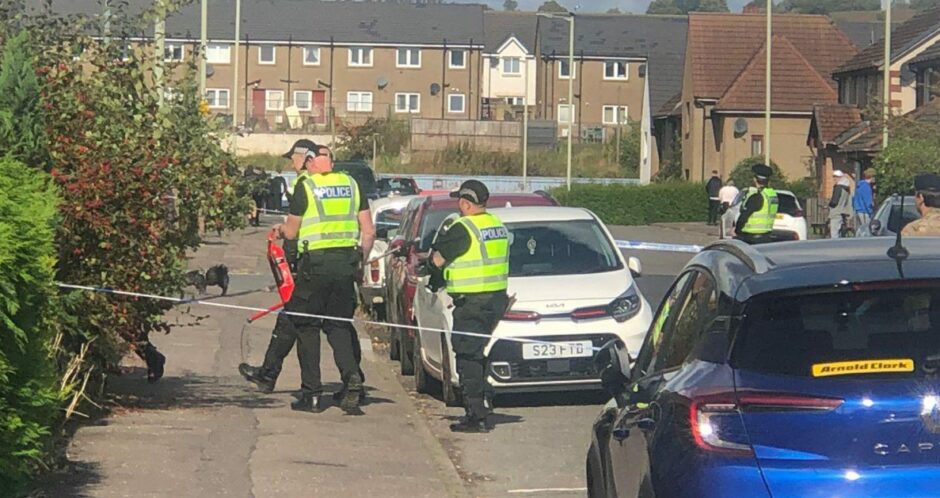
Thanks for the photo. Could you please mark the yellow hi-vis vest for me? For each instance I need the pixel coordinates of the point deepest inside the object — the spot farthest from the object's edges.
(332, 216)
(762, 221)
(485, 265)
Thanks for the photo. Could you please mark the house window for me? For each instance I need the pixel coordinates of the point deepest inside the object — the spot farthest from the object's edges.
(616, 70)
(565, 113)
(408, 57)
(359, 101)
(614, 115)
(218, 53)
(303, 99)
(311, 56)
(757, 145)
(274, 100)
(456, 103)
(173, 52)
(458, 59)
(511, 66)
(267, 55)
(564, 71)
(408, 102)
(217, 98)
(515, 101)
(360, 57)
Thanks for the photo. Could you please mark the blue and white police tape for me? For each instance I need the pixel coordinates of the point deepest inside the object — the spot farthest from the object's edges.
(656, 246)
(354, 321)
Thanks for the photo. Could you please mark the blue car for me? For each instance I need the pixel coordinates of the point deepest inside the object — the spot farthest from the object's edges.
(797, 369)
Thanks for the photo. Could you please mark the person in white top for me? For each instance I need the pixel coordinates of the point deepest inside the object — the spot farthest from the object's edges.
(726, 197)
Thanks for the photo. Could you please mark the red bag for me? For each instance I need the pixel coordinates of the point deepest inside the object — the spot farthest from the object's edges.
(282, 276)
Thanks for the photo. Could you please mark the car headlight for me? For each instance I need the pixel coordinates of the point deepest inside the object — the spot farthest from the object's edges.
(626, 306)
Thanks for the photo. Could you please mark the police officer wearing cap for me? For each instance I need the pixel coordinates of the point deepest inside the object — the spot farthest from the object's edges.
(927, 200)
(474, 255)
(759, 209)
(327, 217)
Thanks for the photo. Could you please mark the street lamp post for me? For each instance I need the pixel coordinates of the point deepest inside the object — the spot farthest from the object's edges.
(768, 101)
(886, 101)
(570, 104)
(235, 83)
(203, 46)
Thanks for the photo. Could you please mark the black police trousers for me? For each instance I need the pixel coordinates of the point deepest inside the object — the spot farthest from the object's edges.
(754, 239)
(479, 314)
(323, 285)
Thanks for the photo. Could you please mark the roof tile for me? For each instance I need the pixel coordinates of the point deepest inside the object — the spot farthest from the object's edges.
(833, 120)
(903, 38)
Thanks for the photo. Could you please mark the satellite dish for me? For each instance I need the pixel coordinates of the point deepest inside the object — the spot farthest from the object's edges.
(740, 127)
(494, 62)
(435, 88)
(209, 70)
(381, 82)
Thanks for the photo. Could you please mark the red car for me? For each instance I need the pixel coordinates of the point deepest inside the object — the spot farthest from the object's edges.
(420, 221)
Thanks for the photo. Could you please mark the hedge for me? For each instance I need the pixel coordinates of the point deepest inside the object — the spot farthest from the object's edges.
(29, 394)
(639, 205)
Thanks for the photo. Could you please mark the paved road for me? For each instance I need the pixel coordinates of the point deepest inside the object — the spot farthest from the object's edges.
(202, 431)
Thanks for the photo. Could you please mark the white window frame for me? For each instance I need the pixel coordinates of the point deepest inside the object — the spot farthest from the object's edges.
(358, 105)
(309, 100)
(621, 113)
(261, 61)
(217, 92)
(463, 103)
(309, 50)
(518, 71)
(410, 55)
(171, 48)
(450, 59)
(615, 65)
(219, 48)
(574, 70)
(268, 99)
(515, 101)
(408, 109)
(363, 52)
(571, 112)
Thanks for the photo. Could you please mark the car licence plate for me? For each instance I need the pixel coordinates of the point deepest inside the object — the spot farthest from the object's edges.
(551, 350)
(779, 216)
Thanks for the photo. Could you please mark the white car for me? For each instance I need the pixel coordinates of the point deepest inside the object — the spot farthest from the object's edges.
(789, 225)
(386, 216)
(574, 292)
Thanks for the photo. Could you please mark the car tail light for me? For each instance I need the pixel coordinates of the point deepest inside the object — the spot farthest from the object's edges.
(717, 425)
(374, 270)
(521, 316)
(589, 313)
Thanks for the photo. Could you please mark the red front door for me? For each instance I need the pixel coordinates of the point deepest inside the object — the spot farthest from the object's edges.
(319, 106)
(257, 103)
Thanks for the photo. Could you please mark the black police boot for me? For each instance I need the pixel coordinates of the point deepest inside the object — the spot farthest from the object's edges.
(353, 395)
(308, 403)
(257, 377)
(155, 363)
(471, 425)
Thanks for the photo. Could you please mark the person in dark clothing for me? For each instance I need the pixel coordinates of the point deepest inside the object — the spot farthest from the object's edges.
(474, 256)
(711, 188)
(758, 210)
(277, 187)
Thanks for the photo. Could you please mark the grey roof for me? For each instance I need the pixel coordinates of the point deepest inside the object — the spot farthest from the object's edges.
(862, 33)
(661, 39)
(931, 55)
(317, 21)
(499, 26)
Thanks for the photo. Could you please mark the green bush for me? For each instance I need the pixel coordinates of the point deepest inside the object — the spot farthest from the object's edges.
(638, 205)
(913, 148)
(29, 394)
(743, 176)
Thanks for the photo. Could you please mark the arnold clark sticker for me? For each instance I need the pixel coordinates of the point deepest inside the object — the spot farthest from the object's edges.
(863, 367)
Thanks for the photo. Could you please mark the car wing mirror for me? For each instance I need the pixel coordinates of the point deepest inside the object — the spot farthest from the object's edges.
(875, 227)
(636, 267)
(612, 363)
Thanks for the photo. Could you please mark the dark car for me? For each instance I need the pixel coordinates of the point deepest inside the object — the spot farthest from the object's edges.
(781, 370)
(397, 186)
(888, 220)
(420, 221)
(362, 173)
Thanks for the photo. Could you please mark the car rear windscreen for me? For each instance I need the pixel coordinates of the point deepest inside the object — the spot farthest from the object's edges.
(811, 333)
(560, 248)
(388, 219)
(787, 205)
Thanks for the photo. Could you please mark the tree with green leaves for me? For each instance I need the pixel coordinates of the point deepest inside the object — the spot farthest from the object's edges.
(924, 4)
(22, 136)
(827, 6)
(552, 6)
(682, 7)
(510, 5)
(614, 11)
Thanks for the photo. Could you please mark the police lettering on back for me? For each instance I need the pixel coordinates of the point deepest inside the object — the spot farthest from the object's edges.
(336, 192)
(495, 233)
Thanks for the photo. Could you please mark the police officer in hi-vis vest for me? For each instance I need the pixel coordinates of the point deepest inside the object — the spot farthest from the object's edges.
(474, 255)
(327, 216)
(758, 209)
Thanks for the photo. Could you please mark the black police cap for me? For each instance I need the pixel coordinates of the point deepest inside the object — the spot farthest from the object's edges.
(927, 182)
(472, 190)
(762, 171)
(302, 146)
